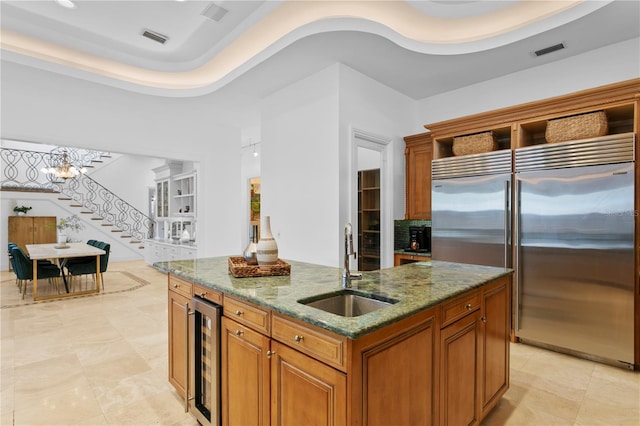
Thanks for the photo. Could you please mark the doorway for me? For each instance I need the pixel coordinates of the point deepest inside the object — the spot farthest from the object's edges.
(371, 200)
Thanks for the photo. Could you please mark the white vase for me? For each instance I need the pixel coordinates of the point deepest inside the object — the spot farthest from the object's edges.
(267, 248)
(62, 240)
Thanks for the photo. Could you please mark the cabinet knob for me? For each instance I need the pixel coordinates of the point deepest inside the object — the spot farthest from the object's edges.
(239, 313)
(203, 294)
(270, 354)
(483, 319)
(239, 333)
(175, 286)
(469, 307)
(298, 339)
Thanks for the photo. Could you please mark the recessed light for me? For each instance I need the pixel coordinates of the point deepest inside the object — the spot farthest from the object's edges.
(66, 3)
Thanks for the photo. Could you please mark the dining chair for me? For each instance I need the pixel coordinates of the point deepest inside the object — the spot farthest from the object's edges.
(88, 266)
(24, 270)
(13, 261)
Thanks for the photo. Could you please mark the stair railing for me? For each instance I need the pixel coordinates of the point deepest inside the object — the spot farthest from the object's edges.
(21, 171)
(105, 204)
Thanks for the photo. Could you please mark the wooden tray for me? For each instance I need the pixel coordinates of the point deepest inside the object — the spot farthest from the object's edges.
(238, 268)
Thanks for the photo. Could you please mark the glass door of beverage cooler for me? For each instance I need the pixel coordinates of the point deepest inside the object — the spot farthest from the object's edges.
(205, 362)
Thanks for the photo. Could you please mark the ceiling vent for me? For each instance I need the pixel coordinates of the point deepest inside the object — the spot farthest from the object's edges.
(549, 49)
(214, 12)
(162, 39)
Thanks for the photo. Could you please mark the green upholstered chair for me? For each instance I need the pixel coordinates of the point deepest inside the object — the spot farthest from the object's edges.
(24, 269)
(88, 265)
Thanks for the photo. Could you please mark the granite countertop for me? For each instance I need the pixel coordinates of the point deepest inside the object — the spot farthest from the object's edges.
(416, 286)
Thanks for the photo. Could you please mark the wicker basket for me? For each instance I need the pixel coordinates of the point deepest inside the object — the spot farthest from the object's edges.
(239, 268)
(581, 126)
(475, 144)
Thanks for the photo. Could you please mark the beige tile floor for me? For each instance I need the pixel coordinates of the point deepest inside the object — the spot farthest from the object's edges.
(102, 360)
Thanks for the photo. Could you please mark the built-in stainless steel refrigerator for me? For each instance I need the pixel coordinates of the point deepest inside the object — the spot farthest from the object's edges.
(574, 247)
(471, 209)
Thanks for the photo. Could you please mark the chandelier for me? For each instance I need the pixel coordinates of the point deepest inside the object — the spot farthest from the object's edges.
(65, 170)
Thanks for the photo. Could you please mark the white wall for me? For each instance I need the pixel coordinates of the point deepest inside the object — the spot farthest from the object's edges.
(299, 168)
(53, 109)
(305, 159)
(610, 64)
(370, 106)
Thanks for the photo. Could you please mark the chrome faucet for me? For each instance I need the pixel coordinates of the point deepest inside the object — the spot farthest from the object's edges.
(347, 275)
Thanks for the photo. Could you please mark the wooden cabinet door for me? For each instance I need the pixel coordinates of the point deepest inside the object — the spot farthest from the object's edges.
(398, 379)
(20, 230)
(245, 375)
(25, 230)
(305, 391)
(496, 304)
(177, 342)
(459, 347)
(418, 181)
(44, 230)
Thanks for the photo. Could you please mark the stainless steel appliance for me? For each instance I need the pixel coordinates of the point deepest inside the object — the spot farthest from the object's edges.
(471, 209)
(203, 361)
(419, 239)
(574, 236)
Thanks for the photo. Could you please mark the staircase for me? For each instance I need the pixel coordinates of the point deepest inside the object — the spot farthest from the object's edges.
(21, 172)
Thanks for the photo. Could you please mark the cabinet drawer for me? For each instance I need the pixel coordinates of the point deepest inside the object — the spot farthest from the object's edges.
(180, 286)
(459, 308)
(323, 346)
(208, 294)
(247, 314)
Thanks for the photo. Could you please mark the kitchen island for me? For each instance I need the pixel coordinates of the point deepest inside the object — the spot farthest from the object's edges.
(438, 355)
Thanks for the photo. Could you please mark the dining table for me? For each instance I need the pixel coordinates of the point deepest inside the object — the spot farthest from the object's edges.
(60, 254)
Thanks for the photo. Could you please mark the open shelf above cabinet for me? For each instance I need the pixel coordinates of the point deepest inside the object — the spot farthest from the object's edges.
(620, 119)
(443, 147)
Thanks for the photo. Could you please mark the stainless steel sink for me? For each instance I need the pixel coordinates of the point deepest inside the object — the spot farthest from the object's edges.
(348, 303)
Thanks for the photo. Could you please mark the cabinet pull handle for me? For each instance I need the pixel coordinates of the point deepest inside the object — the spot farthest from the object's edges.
(483, 319)
(469, 307)
(238, 312)
(270, 354)
(239, 332)
(203, 294)
(298, 339)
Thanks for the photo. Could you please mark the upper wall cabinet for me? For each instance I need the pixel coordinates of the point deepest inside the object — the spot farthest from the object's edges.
(175, 191)
(418, 155)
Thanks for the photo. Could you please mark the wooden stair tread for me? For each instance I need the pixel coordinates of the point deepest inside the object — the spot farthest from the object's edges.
(106, 224)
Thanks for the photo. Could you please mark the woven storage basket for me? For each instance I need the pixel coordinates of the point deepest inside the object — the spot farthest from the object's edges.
(239, 268)
(581, 126)
(475, 144)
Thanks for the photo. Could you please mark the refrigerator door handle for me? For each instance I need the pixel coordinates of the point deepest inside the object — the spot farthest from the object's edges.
(516, 244)
(507, 222)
